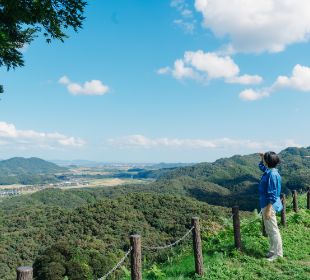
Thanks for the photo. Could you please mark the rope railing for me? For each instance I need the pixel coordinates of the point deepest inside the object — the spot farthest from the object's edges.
(135, 251)
(26, 273)
(168, 245)
(117, 265)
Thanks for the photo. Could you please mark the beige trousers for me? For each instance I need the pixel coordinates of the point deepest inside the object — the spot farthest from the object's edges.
(272, 230)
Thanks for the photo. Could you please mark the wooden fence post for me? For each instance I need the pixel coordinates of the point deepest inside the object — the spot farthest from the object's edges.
(308, 199)
(263, 227)
(24, 273)
(283, 212)
(136, 263)
(197, 247)
(295, 201)
(236, 223)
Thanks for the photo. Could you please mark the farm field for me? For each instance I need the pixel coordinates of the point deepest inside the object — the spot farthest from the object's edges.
(77, 177)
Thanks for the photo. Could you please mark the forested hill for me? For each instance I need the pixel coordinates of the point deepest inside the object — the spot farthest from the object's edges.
(27, 170)
(32, 165)
(82, 233)
(229, 171)
(85, 241)
(233, 180)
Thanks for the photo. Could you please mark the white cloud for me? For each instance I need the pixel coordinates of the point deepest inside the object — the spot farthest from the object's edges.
(299, 80)
(202, 66)
(93, 87)
(180, 71)
(11, 136)
(212, 64)
(64, 80)
(257, 26)
(201, 5)
(143, 142)
(252, 95)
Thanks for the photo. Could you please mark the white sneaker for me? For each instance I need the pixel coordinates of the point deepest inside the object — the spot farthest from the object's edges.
(273, 258)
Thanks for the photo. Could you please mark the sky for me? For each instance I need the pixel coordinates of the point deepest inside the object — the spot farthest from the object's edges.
(164, 81)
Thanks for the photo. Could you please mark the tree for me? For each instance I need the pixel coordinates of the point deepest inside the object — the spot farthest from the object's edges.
(22, 20)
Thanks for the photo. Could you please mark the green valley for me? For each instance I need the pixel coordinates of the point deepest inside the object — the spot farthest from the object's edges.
(81, 233)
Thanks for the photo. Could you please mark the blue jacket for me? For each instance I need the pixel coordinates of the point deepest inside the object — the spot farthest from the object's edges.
(270, 188)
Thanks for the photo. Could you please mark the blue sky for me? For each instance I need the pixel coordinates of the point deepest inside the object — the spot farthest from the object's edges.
(150, 81)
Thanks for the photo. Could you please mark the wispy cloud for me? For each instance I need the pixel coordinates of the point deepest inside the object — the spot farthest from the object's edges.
(187, 26)
(201, 66)
(245, 80)
(163, 70)
(186, 20)
(299, 80)
(93, 87)
(11, 136)
(143, 142)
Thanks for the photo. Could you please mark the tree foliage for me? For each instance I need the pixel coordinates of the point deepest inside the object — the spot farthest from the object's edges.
(87, 230)
(22, 20)
(230, 181)
(85, 242)
(29, 171)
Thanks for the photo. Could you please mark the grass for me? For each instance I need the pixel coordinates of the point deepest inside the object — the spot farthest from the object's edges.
(222, 261)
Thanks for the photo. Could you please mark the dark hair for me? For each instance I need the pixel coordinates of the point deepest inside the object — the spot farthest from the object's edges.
(272, 159)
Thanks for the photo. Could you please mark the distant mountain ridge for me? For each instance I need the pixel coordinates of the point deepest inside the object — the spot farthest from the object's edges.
(33, 165)
(19, 170)
(293, 161)
(71, 221)
(229, 181)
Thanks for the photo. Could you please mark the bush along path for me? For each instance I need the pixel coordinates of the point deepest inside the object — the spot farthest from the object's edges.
(223, 261)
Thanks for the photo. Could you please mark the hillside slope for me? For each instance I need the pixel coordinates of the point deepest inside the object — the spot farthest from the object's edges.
(233, 180)
(93, 235)
(240, 170)
(222, 261)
